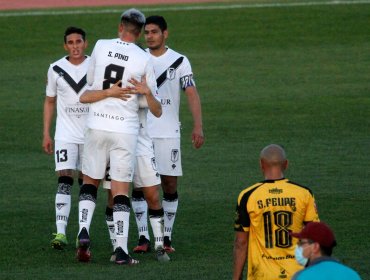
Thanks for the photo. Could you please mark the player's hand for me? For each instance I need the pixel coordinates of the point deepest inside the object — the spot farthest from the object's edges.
(118, 92)
(140, 87)
(47, 145)
(197, 138)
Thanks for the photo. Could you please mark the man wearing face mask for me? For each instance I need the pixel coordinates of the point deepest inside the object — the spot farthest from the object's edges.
(266, 213)
(314, 250)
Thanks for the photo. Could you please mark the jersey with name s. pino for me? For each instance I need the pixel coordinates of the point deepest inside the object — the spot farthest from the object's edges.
(270, 211)
(67, 82)
(113, 60)
(173, 73)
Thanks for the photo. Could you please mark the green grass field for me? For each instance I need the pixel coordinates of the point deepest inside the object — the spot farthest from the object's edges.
(297, 76)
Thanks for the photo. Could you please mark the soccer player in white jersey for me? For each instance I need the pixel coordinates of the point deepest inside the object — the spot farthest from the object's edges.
(174, 75)
(148, 180)
(113, 126)
(66, 81)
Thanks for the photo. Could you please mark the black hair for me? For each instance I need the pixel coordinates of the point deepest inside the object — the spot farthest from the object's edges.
(71, 30)
(157, 20)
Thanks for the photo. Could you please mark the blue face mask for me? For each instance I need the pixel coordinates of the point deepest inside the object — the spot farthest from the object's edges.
(298, 253)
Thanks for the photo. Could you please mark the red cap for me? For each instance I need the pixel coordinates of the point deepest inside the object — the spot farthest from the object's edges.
(318, 232)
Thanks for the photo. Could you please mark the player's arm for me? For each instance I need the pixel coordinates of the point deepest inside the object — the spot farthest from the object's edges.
(142, 87)
(91, 96)
(197, 136)
(49, 107)
(240, 253)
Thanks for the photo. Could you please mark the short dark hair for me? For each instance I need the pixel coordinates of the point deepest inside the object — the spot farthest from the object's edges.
(70, 30)
(157, 20)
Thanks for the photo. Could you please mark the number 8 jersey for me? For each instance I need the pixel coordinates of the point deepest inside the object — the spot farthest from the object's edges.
(111, 61)
(269, 211)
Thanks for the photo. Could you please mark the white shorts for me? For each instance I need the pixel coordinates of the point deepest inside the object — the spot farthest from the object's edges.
(168, 156)
(68, 156)
(103, 147)
(145, 174)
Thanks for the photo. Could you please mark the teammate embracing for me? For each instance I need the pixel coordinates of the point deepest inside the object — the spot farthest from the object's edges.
(173, 74)
(66, 82)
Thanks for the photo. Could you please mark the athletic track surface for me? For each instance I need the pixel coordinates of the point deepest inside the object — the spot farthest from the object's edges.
(39, 4)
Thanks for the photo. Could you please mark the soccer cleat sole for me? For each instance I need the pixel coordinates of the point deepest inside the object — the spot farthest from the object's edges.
(130, 261)
(58, 245)
(83, 255)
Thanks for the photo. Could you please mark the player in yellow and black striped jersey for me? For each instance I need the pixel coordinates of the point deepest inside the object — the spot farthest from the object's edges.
(266, 213)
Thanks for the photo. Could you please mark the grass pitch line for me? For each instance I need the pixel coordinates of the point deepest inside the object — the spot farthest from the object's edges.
(180, 8)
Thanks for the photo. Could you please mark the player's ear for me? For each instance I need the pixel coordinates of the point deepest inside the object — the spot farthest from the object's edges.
(165, 34)
(120, 28)
(65, 47)
(285, 164)
(262, 165)
(86, 44)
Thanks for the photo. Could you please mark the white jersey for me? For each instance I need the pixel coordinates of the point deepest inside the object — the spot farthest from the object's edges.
(67, 82)
(111, 61)
(144, 142)
(173, 73)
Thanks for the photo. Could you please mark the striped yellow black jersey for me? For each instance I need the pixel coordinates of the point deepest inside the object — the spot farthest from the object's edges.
(269, 211)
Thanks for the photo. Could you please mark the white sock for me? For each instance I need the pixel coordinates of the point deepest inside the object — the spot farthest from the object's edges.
(170, 209)
(62, 210)
(121, 218)
(157, 227)
(85, 213)
(110, 225)
(140, 208)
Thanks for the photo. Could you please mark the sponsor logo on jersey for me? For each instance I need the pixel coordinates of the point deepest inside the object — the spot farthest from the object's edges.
(77, 109)
(165, 102)
(287, 257)
(275, 191)
(282, 274)
(108, 116)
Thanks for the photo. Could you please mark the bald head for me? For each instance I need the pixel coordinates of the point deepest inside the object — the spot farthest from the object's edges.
(273, 154)
(273, 161)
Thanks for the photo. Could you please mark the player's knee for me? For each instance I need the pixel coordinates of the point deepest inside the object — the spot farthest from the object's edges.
(169, 185)
(65, 185)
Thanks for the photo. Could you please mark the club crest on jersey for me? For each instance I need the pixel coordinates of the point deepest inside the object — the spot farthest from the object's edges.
(171, 73)
(174, 155)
